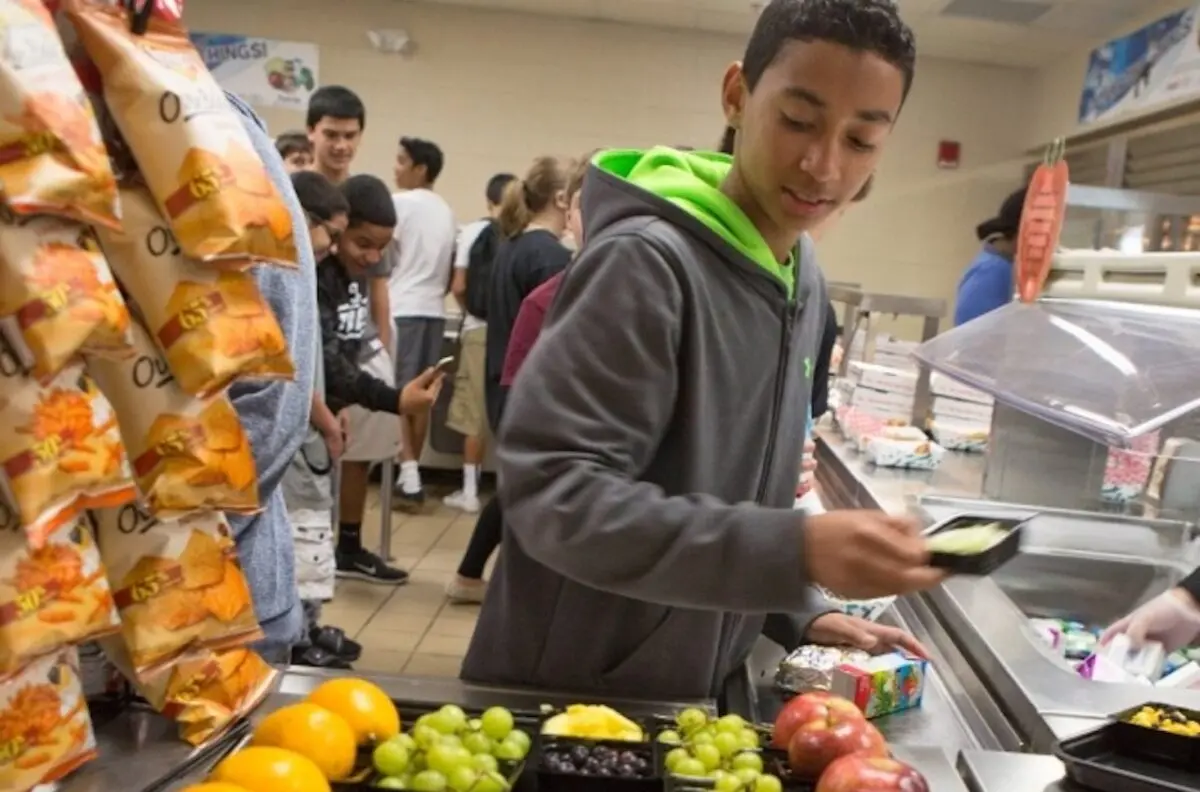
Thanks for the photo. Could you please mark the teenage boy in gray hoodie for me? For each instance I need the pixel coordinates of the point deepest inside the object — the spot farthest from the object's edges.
(648, 493)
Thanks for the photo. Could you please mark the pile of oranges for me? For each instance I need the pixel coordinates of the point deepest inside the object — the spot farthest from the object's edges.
(302, 747)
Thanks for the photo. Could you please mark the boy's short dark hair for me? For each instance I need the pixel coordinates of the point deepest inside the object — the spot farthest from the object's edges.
(335, 101)
(293, 142)
(427, 153)
(496, 185)
(370, 201)
(319, 197)
(864, 25)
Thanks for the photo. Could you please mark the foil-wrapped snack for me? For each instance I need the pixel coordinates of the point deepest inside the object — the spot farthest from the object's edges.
(810, 667)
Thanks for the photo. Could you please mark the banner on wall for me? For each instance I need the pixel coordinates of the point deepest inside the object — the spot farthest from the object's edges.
(1155, 65)
(264, 72)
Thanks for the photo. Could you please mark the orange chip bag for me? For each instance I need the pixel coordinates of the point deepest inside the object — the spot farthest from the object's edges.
(52, 596)
(178, 585)
(189, 141)
(52, 158)
(212, 323)
(45, 731)
(60, 449)
(203, 691)
(188, 455)
(56, 285)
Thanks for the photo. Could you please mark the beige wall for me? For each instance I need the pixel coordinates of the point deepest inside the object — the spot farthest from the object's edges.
(1055, 101)
(496, 89)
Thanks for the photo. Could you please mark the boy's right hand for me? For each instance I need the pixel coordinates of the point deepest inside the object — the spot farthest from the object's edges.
(419, 395)
(867, 554)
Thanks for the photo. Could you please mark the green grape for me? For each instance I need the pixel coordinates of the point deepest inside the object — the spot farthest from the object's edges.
(674, 757)
(445, 758)
(452, 740)
(748, 738)
(691, 719)
(521, 738)
(391, 782)
(485, 762)
(510, 751)
(474, 724)
(747, 760)
(689, 766)
(428, 781)
(702, 737)
(728, 783)
(669, 737)
(426, 736)
(496, 723)
(708, 755)
(424, 720)
(767, 783)
(477, 743)
(491, 782)
(462, 779)
(726, 743)
(407, 741)
(390, 758)
(454, 714)
(748, 775)
(731, 723)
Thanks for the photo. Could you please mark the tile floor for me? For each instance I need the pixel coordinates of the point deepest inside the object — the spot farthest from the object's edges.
(410, 629)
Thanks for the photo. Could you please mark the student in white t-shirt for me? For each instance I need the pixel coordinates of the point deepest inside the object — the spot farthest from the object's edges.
(422, 253)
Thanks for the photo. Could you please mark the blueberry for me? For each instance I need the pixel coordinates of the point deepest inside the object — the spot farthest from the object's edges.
(626, 770)
(627, 757)
(580, 753)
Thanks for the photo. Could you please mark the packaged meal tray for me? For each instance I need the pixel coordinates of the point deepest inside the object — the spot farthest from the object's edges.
(51, 596)
(974, 544)
(52, 157)
(178, 585)
(188, 454)
(212, 324)
(57, 294)
(60, 449)
(1160, 731)
(191, 145)
(1105, 760)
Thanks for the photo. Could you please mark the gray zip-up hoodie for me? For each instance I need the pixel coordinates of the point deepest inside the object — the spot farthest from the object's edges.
(275, 415)
(651, 447)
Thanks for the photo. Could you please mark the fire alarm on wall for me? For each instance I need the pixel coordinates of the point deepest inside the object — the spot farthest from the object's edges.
(949, 154)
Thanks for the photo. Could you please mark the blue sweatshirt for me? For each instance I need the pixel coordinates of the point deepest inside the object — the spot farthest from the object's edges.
(985, 286)
(275, 413)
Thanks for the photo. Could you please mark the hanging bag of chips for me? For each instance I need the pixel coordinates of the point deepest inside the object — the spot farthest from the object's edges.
(60, 449)
(58, 294)
(178, 585)
(52, 158)
(211, 323)
(188, 454)
(51, 597)
(188, 141)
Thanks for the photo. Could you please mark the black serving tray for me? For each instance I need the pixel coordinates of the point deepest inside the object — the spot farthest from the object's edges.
(1101, 760)
(549, 780)
(984, 563)
(1161, 746)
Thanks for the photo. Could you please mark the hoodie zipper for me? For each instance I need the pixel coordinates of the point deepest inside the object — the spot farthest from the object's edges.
(785, 346)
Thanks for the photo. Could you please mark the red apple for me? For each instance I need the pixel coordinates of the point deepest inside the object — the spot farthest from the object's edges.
(860, 773)
(814, 746)
(809, 708)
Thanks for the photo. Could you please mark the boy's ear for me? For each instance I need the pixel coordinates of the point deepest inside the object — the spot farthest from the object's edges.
(733, 94)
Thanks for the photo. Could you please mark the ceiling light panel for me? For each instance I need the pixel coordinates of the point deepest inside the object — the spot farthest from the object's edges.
(1005, 11)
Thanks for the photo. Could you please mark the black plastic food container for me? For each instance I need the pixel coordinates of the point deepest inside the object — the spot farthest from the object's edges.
(1100, 759)
(1174, 749)
(555, 779)
(989, 560)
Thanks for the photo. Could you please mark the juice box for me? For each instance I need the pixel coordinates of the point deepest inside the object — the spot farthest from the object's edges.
(882, 685)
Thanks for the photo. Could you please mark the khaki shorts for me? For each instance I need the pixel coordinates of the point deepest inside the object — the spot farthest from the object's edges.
(373, 436)
(468, 406)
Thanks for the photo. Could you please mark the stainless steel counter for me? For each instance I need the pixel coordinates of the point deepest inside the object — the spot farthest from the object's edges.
(991, 771)
(1094, 566)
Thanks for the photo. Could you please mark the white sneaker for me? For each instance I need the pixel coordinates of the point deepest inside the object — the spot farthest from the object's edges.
(463, 502)
(464, 592)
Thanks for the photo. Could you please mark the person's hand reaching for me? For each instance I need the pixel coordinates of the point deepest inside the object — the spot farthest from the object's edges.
(866, 554)
(419, 395)
(839, 629)
(1172, 619)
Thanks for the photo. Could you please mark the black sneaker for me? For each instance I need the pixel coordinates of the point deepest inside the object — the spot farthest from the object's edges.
(334, 640)
(411, 502)
(365, 565)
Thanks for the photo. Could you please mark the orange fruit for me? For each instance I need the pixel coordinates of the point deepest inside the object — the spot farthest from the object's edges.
(368, 710)
(266, 769)
(214, 786)
(314, 732)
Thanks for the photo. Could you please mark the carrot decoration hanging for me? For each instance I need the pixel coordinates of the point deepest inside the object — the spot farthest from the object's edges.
(1042, 221)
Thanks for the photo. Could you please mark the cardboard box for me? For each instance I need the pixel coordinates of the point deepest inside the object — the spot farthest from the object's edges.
(882, 685)
(958, 411)
(879, 403)
(941, 385)
(883, 378)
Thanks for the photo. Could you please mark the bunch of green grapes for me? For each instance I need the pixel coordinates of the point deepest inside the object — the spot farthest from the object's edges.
(445, 751)
(725, 750)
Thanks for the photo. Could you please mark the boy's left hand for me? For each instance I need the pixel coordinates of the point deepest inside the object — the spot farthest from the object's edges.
(838, 629)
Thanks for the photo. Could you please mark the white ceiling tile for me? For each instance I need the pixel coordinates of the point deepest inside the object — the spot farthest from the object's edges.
(1084, 18)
